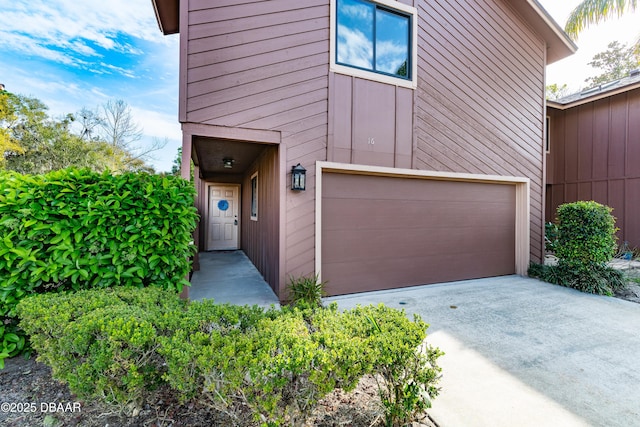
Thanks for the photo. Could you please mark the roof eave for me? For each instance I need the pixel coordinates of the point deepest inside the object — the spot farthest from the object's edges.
(559, 44)
(167, 15)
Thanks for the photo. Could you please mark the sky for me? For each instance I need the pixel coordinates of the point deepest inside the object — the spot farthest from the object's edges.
(72, 54)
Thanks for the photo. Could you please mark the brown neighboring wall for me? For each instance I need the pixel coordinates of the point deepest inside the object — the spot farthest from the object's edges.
(595, 154)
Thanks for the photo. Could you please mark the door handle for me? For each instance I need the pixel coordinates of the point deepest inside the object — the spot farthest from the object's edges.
(235, 222)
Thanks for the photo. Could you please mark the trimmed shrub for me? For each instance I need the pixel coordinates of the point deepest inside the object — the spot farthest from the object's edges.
(102, 342)
(586, 234)
(585, 242)
(265, 367)
(75, 229)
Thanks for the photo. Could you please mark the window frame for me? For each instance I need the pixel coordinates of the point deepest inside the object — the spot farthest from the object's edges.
(547, 134)
(253, 205)
(392, 6)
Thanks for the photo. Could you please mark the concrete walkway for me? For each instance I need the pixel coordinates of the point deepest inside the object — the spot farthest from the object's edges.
(229, 277)
(520, 352)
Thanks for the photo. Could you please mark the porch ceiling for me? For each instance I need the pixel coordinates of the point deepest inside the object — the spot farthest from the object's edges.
(209, 153)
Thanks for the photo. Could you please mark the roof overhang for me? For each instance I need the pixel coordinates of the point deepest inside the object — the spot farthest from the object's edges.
(559, 44)
(592, 98)
(168, 15)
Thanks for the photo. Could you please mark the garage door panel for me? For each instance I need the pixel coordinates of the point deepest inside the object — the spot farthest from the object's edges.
(382, 213)
(357, 244)
(401, 272)
(386, 232)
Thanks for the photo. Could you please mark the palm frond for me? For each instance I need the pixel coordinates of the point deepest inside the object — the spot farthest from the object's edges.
(595, 11)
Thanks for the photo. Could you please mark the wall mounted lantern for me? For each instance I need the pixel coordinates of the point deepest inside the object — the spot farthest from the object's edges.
(298, 178)
(227, 163)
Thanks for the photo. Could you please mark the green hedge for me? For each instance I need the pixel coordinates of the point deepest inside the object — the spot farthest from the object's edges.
(74, 229)
(585, 242)
(586, 234)
(259, 367)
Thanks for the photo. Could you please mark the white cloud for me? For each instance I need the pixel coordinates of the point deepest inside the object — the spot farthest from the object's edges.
(354, 48)
(46, 28)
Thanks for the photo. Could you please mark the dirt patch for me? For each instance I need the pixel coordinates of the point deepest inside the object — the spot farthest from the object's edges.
(36, 399)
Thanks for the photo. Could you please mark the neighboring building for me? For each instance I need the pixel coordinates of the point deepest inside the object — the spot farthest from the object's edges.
(422, 140)
(594, 152)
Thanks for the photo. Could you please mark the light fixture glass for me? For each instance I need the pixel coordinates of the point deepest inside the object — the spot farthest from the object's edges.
(298, 178)
(227, 162)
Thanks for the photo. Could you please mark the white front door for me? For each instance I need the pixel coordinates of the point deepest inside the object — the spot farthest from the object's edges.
(222, 230)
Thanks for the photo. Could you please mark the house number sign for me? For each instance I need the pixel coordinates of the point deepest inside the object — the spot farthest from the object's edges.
(223, 205)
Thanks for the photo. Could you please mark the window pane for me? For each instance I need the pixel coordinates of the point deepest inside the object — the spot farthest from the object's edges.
(392, 43)
(355, 33)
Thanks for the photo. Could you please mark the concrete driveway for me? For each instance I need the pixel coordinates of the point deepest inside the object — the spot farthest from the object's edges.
(520, 352)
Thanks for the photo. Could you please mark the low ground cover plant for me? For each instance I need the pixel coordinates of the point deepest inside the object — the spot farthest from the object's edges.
(260, 367)
(585, 243)
(76, 229)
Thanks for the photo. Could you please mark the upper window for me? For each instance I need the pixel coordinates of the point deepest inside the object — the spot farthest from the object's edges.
(375, 38)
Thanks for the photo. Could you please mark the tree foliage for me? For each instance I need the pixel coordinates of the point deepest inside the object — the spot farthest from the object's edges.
(32, 142)
(555, 91)
(595, 11)
(616, 62)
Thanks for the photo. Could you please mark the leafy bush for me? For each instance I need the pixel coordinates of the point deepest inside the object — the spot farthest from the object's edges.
(595, 279)
(383, 341)
(550, 236)
(101, 342)
(586, 241)
(74, 229)
(270, 367)
(586, 234)
(306, 291)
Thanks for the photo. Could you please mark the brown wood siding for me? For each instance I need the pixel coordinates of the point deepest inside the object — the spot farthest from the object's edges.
(385, 232)
(260, 238)
(595, 155)
(479, 102)
(264, 65)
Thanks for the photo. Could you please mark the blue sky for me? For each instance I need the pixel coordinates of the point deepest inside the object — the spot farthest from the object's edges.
(73, 54)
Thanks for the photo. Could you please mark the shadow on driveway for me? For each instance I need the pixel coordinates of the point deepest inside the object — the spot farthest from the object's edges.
(521, 352)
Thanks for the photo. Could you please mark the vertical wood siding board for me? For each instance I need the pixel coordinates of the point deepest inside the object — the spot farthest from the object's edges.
(240, 92)
(262, 105)
(236, 26)
(499, 152)
(250, 37)
(259, 60)
(571, 146)
(440, 69)
(250, 50)
(460, 115)
(617, 137)
(262, 8)
(585, 142)
(206, 88)
(633, 148)
(500, 57)
(600, 138)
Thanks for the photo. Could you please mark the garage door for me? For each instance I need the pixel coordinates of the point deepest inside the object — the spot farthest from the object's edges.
(382, 232)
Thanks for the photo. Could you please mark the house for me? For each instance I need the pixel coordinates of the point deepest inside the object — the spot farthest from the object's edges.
(593, 152)
(420, 125)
